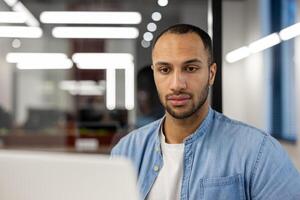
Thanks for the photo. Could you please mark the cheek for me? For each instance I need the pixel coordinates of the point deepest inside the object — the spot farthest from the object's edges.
(197, 85)
(160, 89)
(161, 84)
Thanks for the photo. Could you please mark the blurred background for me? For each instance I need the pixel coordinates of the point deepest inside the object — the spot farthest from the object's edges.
(75, 75)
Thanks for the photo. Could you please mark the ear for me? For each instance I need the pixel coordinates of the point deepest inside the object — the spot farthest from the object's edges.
(212, 73)
(152, 67)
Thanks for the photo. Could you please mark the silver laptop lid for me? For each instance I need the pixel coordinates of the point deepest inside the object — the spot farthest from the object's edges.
(58, 176)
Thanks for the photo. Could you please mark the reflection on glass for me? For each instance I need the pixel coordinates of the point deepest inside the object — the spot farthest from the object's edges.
(72, 73)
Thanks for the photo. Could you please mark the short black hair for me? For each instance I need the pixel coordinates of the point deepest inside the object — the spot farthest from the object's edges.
(188, 28)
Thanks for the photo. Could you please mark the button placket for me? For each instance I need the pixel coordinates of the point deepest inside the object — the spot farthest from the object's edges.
(156, 168)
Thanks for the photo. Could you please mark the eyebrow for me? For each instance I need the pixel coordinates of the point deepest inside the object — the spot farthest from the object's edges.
(195, 60)
(161, 63)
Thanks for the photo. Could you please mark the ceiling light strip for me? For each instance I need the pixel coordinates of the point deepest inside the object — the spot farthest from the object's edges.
(30, 19)
(36, 57)
(264, 43)
(39, 60)
(111, 89)
(290, 32)
(20, 32)
(103, 60)
(96, 32)
(12, 17)
(237, 54)
(10, 3)
(63, 64)
(77, 17)
(129, 88)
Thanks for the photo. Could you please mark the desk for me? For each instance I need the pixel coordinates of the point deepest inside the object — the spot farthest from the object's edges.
(56, 143)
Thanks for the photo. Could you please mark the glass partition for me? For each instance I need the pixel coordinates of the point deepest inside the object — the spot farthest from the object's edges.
(75, 75)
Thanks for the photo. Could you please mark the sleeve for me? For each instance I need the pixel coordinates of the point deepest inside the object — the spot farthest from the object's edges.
(273, 176)
(115, 152)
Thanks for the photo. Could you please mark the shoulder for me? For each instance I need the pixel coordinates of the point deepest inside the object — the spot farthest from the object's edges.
(240, 140)
(249, 141)
(237, 130)
(136, 139)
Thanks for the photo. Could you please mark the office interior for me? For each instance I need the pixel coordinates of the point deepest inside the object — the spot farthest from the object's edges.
(75, 75)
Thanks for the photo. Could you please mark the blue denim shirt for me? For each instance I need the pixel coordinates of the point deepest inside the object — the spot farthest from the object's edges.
(223, 159)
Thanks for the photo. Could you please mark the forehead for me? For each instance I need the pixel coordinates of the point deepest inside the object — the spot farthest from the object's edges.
(179, 46)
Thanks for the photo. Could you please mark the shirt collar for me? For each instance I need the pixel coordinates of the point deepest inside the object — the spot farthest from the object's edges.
(201, 130)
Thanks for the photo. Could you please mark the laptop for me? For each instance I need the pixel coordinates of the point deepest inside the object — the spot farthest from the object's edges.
(29, 175)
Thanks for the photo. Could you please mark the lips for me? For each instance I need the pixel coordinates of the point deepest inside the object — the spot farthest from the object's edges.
(178, 100)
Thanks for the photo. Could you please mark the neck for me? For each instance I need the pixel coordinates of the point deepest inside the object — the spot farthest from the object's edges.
(176, 130)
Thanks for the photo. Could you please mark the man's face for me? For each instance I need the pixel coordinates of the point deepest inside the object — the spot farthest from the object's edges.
(182, 74)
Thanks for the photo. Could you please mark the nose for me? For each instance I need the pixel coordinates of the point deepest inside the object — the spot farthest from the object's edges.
(178, 82)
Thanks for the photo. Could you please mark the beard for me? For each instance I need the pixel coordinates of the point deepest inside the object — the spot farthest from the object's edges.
(193, 109)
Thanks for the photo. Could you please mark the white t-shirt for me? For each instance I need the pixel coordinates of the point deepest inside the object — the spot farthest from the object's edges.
(167, 185)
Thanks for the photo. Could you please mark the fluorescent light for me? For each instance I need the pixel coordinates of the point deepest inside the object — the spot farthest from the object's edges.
(162, 3)
(10, 3)
(65, 64)
(102, 60)
(156, 16)
(20, 32)
(39, 60)
(290, 32)
(30, 19)
(111, 62)
(34, 57)
(264, 43)
(129, 87)
(12, 17)
(237, 54)
(95, 32)
(78, 17)
(111, 89)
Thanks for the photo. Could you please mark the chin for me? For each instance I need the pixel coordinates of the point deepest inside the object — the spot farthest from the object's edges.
(180, 114)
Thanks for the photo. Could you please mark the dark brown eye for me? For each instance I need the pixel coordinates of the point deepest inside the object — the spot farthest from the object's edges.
(190, 68)
(164, 70)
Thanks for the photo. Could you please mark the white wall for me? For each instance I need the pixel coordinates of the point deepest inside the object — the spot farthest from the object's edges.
(243, 81)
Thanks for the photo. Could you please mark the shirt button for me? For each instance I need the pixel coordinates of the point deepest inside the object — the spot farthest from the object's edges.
(156, 168)
(157, 149)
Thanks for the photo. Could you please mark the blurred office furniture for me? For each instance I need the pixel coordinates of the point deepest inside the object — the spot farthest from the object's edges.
(55, 130)
(5, 119)
(41, 119)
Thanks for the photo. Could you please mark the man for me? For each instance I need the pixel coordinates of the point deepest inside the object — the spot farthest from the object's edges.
(194, 152)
